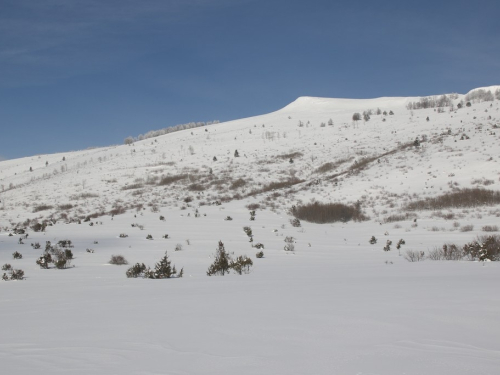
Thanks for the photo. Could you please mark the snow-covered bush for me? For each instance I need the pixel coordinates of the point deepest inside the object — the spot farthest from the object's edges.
(17, 255)
(136, 270)
(290, 243)
(6, 267)
(483, 248)
(13, 275)
(241, 264)
(387, 246)
(260, 254)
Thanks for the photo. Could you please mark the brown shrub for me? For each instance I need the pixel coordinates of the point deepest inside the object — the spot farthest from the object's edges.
(238, 184)
(462, 198)
(42, 207)
(196, 187)
(327, 167)
(253, 206)
(138, 185)
(402, 217)
(328, 212)
(167, 180)
(292, 155)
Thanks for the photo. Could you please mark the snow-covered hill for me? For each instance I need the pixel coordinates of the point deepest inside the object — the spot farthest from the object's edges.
(335, 305)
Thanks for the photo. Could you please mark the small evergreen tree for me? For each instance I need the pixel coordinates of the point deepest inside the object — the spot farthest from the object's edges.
(222, 261)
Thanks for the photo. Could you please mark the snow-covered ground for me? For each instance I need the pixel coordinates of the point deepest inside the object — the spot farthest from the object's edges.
(335, 305)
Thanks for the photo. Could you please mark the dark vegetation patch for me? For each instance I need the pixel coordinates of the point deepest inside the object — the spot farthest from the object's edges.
(322, 213)
(330, 166)
(461, 198)
(42, 207)
(84, 196)
(401, 217)
(138, 185)
(292, 155)
(239, 183)
(276, 186)
(167, 180)
(196, 187)
(253, 206)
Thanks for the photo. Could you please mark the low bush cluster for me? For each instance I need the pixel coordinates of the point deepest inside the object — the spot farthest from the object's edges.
(162, 270)
(462, 198)
(12, 274)
(61, 258)
(321, 213)
(483, 248)
(414, 256)
(223, 263)
(118, 260)
(290, 243)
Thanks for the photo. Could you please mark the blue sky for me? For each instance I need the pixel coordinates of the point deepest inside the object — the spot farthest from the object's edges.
(85, 73)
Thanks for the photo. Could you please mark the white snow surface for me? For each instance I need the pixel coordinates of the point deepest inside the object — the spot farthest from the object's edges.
(335, 305)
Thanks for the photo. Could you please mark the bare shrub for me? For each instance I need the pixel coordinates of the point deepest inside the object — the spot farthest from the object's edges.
(196, 187)
(490, 228)
(414, 256)
(446, 252)
(292, 155)
(462, 198)
(327, 167)
(42, 207)
(84, 196)
(467, 228)
(328, 212)
(67, 206)
(239, 183)
(139, 185)
(280, 185)
(118, 260)
(401, 217)
(117, 211)
(167, 180)
(362, 163)
(253, 206)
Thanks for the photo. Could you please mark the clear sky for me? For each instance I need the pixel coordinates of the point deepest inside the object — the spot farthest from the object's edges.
(84, 73)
